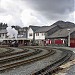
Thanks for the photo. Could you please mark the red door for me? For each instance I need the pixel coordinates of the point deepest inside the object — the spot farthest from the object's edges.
(72, 42)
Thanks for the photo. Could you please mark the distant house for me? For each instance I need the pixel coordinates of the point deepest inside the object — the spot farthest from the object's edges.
(3, 34)
(42, 32)
(22, 32)
(62, 36)
(57, 33)
(31, 32)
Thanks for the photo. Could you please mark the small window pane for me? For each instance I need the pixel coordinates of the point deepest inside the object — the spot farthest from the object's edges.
(30, 34)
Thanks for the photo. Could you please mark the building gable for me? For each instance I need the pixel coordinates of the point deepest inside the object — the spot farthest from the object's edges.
(30, 33)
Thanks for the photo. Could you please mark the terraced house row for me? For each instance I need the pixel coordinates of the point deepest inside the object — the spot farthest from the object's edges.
(58, 34)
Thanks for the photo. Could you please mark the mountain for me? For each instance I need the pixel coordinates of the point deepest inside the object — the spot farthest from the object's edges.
(62, 24)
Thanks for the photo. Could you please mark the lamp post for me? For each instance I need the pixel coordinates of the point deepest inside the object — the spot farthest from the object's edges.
(68, 37)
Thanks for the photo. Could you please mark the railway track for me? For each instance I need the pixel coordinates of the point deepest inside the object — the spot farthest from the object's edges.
(18, 62)
(18, 55)
(12, 52)
(8, 51)
(51, 68)
(15, 59)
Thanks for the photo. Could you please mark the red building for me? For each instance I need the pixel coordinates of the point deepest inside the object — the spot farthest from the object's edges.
(63, 37)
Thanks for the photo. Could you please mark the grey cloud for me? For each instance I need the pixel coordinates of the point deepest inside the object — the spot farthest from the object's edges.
(53, 9)
(10, 6)
(2, 10)
(57, 6)
(50, 9)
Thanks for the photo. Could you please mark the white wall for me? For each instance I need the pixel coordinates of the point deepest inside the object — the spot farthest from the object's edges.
(40, 37)
(3, 36)
(30, 31)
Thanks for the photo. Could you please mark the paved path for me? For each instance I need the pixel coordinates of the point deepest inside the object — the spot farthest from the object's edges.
(67, 48)
(71, 70)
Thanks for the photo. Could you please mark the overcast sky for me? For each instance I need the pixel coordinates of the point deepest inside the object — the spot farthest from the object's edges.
(36, 12)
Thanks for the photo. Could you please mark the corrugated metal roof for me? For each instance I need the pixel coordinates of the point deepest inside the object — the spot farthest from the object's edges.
(34, 28)
(44, 28)
(61, 33)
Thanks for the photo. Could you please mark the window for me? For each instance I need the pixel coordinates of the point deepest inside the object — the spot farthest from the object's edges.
(24, 29)
(20, 29)
(30, 34)
(3, 34)
(45, 34)
(23, 32)
(42, 34)
(37, 34)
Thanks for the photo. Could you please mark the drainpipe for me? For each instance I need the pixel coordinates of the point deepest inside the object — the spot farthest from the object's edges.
(68, 37)
(33, 37)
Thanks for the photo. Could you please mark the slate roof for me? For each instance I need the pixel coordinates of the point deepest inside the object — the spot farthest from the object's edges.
(44, 28)
(3, 31)
(34, 28)
(61, 33)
